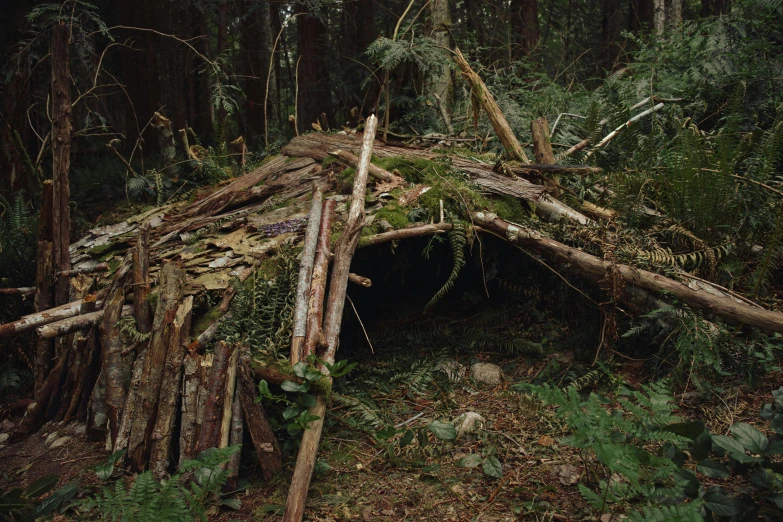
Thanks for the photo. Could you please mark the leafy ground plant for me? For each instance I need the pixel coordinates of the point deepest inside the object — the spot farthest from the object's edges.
(190, 494)
(23, 505)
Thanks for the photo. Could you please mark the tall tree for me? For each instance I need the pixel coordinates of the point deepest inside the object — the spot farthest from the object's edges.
(524, 26)
(441, 84)
(314, 85)
(641, 14)
(610, 48)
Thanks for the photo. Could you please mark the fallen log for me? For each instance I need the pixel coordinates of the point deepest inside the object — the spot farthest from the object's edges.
(170, 390)
(343, 253)
(594, 270)
(502, 128)
(305, 276)
(267, 449)
(612, 135)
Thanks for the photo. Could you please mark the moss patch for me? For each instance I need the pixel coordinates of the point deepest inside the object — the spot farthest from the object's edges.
(394, 214)
(413, 170)
(509, 208)
(345, 180)
(206, 320)
(267, 269)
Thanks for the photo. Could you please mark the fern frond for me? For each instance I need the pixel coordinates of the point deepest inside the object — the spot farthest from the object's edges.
(457, 240)
(364, 413)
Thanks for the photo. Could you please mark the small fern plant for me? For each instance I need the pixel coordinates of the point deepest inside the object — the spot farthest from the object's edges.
(172, 500)
(623, 432)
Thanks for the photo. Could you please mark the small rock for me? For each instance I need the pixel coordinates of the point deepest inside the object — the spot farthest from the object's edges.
(51, 438)
(486, 373)
(4, 437)
(567, 474)
(468, 423)
(453, 370)
(6, 425)
(62, 441)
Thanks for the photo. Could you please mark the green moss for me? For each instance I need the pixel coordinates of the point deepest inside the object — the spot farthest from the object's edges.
(329, 161)
(100, 249)
(345, 180)
(394, 214)
(508, 207)
(206, 320)
(414, 170)
(267, 269)
(152, 299)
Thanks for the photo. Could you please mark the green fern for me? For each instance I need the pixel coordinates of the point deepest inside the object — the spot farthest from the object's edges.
(457, 240)
(363, 412)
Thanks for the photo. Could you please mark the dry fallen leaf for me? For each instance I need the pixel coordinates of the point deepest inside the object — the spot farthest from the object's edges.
(546, 440)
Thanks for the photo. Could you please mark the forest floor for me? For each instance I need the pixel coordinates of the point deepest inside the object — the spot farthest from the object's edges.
(370, 479)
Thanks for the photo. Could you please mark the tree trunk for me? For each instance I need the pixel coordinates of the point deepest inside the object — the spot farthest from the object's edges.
(441, 83)
(172, 284)
(61, 158)
(267, 450)
(314, 84)
(170, 390)
(43, 283)
(524, 26)
(641, 15)
(659, 16)
(610, 49)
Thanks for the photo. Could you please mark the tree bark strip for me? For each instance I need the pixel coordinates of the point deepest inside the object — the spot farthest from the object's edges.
(344, 250)
(170, 390)
(112, 361)
(61, 157)
(209, 433)
(264, 442)
(305, 276)
(141, 280)
(490, 106)
(594, 270)
(172, 285)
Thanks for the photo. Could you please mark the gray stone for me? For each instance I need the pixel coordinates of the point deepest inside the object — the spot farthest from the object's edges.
(468, 423)
(486, 373)
(51, 438)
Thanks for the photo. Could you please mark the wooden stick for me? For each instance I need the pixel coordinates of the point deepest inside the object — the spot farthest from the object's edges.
(172, 285)
(209, 434)
(24, 291)
(264, 442)
(612, 135)
(490, 106)
(352, 160)
(542, 148)
(237, 435)
(315, 306)
(228, 402)
(594, 270)
(305, 276)
(100, 267)
(113, 369)
(404, 233)
(188, 434)
(141, 280)
(170, 390)
(32, 321)
(358, 280)
(73, 324)
(344, 250)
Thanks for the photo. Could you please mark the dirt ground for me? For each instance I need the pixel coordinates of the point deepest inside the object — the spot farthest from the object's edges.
(366, 480)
